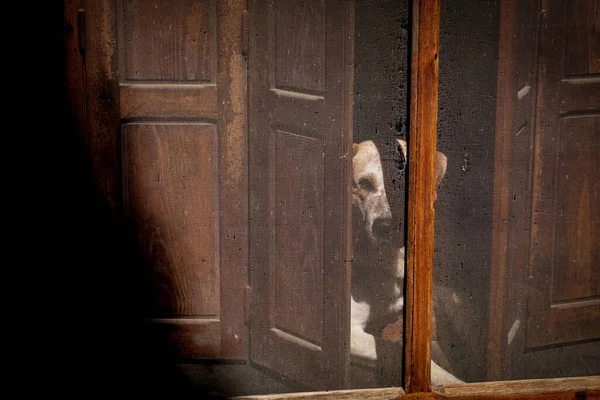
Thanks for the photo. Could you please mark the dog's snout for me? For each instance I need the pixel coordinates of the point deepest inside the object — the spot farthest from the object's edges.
(382, 227)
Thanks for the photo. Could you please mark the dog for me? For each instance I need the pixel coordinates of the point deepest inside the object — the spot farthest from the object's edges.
(378, 269)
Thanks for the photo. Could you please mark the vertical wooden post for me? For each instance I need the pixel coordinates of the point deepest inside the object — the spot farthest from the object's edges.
(102, 100)
(75, 71)
(501, 196)
(421, 190)
(233, 172)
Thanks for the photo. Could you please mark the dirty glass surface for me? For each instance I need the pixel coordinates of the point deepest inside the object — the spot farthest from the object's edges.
(517, 260)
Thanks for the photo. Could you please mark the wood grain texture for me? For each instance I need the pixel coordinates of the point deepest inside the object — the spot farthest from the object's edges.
(168, 53)
(169, 40)
(511, 213)
(298, 235)
(140, 101)
(75, 70)
(421, 194)
(233, 177)
(563, 305)
(102, 104)
(582, 56)
(543, 280)
(170, 186)
(577, 268)
(363, 394)
(300, 45)
(540, 389)
(580, 95)
(559, 388)
(505, 114)
(299, 142)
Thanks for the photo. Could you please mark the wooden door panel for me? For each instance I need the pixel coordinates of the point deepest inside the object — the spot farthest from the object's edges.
(577, 270)
(297, 232)
(140, 100)
(299, 40)
(563, 304)
(579, 95)
(170, 76)
(170, 185)
(546, 278)
(168, 70)
(582, 55)
(171, 197)
(169, 41)
(300, 119)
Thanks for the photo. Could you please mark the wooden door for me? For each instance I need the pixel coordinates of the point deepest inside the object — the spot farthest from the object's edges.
(165, 119)
(546, 239)
(564, 305)
(300, 118)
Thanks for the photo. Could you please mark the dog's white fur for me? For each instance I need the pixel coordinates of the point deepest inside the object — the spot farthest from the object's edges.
(378, 269)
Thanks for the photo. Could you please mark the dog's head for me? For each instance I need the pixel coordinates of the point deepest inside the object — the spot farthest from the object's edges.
(378, 188)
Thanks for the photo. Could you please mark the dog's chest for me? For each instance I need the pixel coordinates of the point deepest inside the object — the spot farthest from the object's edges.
(377, 288)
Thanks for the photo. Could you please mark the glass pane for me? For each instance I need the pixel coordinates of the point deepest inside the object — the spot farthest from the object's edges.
(517, 260)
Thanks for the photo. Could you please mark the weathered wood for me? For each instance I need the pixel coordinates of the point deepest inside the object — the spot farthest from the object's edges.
(168, 41)
(102, 99)
(74, 49)
(363, 394)
(300, 141)
(511, 210)
(170, 190)
(523, 388)
(168, 101)
(169, 71)
(233, 176)
(543, 229)
(564, 277)
(536, 389)
(421, 194)
(501, 206)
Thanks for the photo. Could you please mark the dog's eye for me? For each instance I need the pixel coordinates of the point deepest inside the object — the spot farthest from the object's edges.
(366, 184)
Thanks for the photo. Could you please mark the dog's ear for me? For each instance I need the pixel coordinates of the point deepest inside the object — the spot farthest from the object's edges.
(354, 149)
(441, 163)
(403, 148)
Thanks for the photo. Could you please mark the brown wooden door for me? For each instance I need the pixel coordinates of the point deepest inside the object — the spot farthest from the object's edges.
(300, 110)
(165, 104)
(564, 303)
(546, 254)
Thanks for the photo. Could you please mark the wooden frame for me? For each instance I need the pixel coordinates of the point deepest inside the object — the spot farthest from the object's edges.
(421, 191)
(534, 389)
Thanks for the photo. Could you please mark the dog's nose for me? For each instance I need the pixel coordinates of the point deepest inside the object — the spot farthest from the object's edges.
(382, 227)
